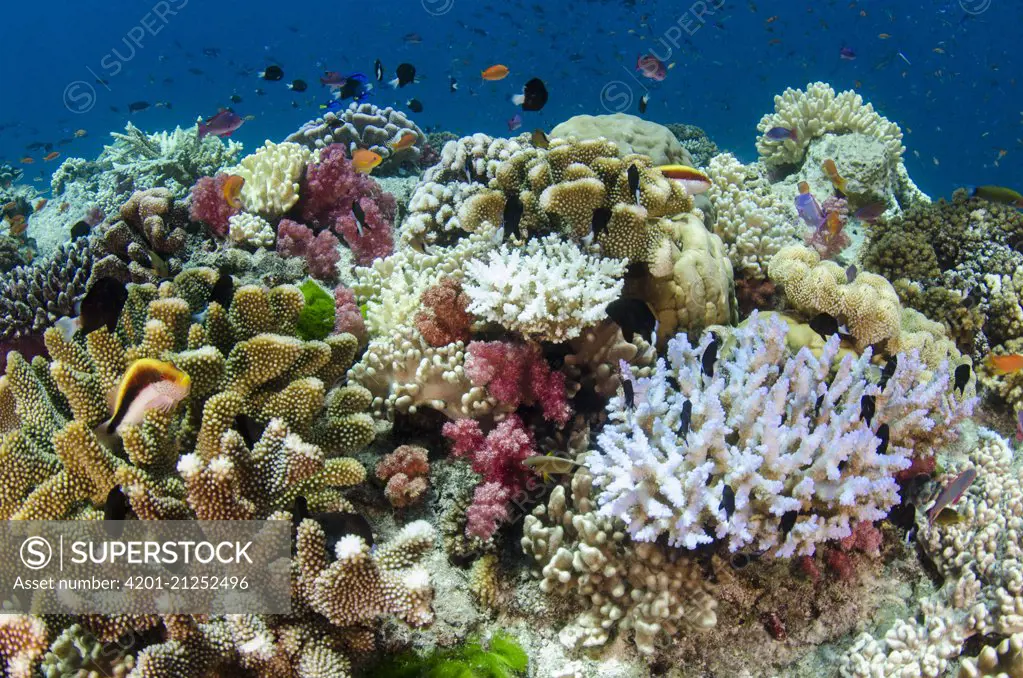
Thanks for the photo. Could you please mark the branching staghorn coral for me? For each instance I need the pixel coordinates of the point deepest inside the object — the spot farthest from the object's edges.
(772, 429)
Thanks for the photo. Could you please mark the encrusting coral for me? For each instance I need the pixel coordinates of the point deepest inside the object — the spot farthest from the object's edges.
(728, 456)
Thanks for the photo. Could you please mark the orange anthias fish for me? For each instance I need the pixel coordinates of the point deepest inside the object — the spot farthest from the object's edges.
(834, 223)
(27, 160)
(233, 190)
(495, 72)
(1004, 364)
(52, 156)
(804, 188)
(17, 224)
(40, 204)
(365, 161)
(692, 179)
(831, 170)
(407, 139)
(147, 385)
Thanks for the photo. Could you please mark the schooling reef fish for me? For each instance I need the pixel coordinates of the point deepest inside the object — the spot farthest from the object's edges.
(223, 124)
(534, 96)
(495, 73)
(406, 75)
(147, 385)
(272, 73)
(651, 67)
(365, 161)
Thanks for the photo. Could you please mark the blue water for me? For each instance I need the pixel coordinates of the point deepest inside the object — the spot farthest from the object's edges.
(954, 94)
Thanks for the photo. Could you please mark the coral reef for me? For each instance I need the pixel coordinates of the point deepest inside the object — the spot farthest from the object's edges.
(701, 147)
(370, 127)
(766, 436)
(271, 177)
(33, 297)
(406, 472)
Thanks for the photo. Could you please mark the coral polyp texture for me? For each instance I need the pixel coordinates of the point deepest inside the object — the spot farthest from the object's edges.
(767, 436)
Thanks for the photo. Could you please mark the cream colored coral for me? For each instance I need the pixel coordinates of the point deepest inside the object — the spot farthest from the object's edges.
(1003, 661)
(632, 134)
(272, 176)
(868, 305)
(550, 289)
(404, 373)
(250, 230)
(909, 648)
(815, 112)
(753, 221)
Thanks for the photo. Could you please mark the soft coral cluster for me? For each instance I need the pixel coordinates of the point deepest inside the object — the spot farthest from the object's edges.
(330, 189)
(210, 206)
(517, 374)
(347, 316)
(498, 457)
(444, 319)
(319, 250)
(405, 471)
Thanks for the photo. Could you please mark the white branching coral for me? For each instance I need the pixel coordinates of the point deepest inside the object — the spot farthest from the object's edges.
(752, 221)
(272, 176)
(549, 289)
(815, 112)
(251, 230)
(771, 439)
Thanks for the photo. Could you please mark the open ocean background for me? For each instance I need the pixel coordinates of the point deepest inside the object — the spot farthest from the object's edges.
(953, 90)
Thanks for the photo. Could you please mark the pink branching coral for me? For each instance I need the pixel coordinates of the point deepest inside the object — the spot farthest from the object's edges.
(445, 319)
(405, 470)
(330, 189)
(516, 374)
(829, 239)
(210, 206)
(498, 458)
(347, 317)
(319, 251)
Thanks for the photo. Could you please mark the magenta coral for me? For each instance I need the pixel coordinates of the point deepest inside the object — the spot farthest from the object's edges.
(516, 374)
(498, 458)
(319, 251)
(445, 319)
(405, 471)
(488, 510)
(330, 189)
(210, 206)
(347, 317)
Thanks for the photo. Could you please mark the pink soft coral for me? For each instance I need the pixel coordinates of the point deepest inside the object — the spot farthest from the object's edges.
(498, 458)
(489, 509)
(405, 471)
(347, 317)
(865, 538)
(210, 206)
(319, 251)
(329, 190)
(516, 374)
(445, 319)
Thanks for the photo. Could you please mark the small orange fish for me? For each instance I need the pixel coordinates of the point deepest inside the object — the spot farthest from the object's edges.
(17, 224)
(41, 203)
(365, 161)
(495, 72)
(831, 170)
(52, 156)
(407, 139)
(27, 160)
(804, 188)
(1004, 364)
(79, 133)
(883, 36)
(233, 190)
(834, 223)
